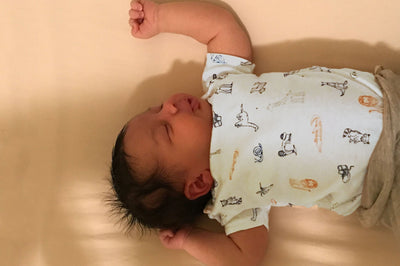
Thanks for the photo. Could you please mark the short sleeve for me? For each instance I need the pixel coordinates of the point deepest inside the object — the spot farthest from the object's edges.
(247, 219)
(220, 65)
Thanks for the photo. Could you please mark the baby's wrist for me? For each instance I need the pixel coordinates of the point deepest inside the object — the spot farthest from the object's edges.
(185, 240)
(156, 17)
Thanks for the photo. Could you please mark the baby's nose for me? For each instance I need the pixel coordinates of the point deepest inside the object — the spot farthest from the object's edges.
(170, 108)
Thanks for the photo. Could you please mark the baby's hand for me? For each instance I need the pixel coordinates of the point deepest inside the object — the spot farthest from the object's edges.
(143, 19)
(174, 240)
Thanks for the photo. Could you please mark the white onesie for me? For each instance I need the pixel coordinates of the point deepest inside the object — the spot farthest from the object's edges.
(282, 139)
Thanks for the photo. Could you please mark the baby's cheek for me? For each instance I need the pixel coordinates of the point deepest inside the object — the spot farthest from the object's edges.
(193, 134)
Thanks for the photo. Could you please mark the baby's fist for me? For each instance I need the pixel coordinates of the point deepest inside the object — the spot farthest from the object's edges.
(174, 240)
(143, 19)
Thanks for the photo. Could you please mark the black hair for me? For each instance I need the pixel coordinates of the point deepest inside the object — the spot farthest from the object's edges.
(150, 201)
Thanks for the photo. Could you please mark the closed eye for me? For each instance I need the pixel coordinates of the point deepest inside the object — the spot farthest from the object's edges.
(167, 129)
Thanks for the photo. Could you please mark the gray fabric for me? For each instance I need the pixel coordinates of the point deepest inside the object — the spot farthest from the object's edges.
(380, 202)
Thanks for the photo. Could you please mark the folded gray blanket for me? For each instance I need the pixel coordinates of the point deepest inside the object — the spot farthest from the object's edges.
(380, 203)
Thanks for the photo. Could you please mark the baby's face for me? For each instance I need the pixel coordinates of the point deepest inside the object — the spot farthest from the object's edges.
(175, 135)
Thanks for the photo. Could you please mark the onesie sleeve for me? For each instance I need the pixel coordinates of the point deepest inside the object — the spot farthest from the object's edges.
(248, 219)
(219, 66)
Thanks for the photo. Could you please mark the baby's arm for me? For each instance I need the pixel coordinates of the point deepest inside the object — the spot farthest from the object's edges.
(245, 247)
(207, 23)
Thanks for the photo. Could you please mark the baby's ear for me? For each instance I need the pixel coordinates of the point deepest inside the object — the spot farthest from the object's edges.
(198, 186)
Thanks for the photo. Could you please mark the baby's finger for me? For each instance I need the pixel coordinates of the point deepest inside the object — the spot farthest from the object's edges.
(132, 22)
(134, 27)
(134, 14)
(136, 5)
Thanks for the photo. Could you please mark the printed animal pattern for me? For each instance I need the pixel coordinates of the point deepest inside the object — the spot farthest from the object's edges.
(255, 214)
(356, 136)
(316, 124)
(258, 153)
(321, 69)
(342, 87)
(287, 146)
(218, 59)
(258, 87)
(217, 120)
(264, 190)
(243, 118)
(231, 201)
(314, 68)
(318, 130)
(245, 63)
(215, 152)
(225, 88)
(234, 160)
(371, 102)
(290, 97)
(344, 172)
(303, 184)
(290, 73)
(217, 77)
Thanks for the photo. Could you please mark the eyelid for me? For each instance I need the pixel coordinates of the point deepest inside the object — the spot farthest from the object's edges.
(168, 131)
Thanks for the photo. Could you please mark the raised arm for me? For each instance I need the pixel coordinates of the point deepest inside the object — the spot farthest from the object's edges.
(207, 23)
(245, 247)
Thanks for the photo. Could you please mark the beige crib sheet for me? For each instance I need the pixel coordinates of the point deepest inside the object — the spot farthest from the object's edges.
(71, 75)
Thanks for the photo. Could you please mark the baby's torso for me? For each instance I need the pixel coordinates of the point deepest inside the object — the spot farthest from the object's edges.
(301, 138)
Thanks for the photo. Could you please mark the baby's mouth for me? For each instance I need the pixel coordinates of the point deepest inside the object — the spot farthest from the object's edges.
(194, 104)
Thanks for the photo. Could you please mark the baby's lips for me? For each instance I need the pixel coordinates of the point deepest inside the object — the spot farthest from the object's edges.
(194, 103)
(187, 103)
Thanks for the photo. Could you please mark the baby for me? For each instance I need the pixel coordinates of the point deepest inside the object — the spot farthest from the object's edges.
(251, 142)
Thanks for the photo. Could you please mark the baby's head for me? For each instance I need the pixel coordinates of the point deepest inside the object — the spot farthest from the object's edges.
(160, 164)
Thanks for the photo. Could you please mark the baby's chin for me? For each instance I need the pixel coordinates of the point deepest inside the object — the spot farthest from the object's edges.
(206, 109)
